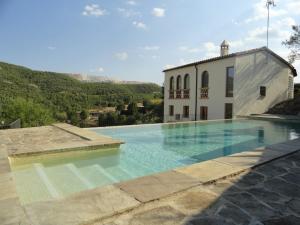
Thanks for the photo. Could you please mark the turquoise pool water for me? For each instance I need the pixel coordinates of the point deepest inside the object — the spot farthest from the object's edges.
(149, 149)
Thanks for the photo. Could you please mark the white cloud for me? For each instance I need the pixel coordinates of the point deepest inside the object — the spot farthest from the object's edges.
(189, 50)
(140, 25)
(282, 8)
(158, 12)
(279, 30)
(93, 10)
(260, 11)
(99, 70)
(51, 48)
(236, 44)
(211, 49)
(131, 2)
(122, 56)
(293, 7)
(151, 48)
(168, 66)
(128, 12)
(185, 61)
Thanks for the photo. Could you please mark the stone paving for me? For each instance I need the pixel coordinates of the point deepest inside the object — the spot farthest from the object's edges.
(269, 194)
(49, 139)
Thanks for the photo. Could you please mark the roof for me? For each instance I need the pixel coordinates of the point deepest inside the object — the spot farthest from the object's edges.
(294, 71)
(225, 43)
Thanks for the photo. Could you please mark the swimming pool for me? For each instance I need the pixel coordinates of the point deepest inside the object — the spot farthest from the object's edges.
(148, 149)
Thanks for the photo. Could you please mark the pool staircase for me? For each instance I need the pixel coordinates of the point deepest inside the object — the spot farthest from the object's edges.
(57, 181)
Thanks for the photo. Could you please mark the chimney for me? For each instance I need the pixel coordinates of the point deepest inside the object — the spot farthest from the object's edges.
(224, 48)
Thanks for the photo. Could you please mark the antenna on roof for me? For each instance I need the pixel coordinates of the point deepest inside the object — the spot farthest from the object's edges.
(268, 4)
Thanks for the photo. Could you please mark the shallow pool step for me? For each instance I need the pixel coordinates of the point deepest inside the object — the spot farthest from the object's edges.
(67, 179)
(97, 175)
(119, 173)
(114, 174)
(45, 179)
(31, 186)
(138, 169)
(77, 173)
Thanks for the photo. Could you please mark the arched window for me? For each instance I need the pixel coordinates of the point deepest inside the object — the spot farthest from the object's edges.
(186, 83)
(178, 82)
(204, 79)
(172, 83)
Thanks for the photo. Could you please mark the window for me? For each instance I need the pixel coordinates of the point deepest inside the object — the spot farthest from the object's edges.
(178, 82)
(204, 85)
(203, 112)
(186, 111)
(186, 86)
(229, 81)
(263, 91)
(204, 80)
(171, 86)
(186, 83)
(172, 83)
(177, 116)
(171, 110)
(228, 110)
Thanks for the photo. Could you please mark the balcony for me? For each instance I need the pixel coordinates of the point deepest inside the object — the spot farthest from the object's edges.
(186, 93)
(204, 93)
(178, 94)
(171, 94)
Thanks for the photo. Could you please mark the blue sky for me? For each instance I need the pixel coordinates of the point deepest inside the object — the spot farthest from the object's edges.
(135, 39)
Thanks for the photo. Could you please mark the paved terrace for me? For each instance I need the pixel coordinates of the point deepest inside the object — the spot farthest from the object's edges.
(258, 187)
(50, 139)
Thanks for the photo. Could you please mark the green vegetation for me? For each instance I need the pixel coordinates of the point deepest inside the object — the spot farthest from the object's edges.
(30, 113)
(149, 113)
(293, 43)
(40, 98)
(292, 106)
(289, 107)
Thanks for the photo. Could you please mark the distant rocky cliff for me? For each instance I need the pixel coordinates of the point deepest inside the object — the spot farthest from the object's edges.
(101, 79)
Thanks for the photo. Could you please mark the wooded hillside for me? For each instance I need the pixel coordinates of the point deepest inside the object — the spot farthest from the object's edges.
(56, 96)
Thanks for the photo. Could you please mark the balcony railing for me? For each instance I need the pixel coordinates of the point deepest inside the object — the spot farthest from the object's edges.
(204, 93)
(178, 94)
(171, 94)
(186, 93)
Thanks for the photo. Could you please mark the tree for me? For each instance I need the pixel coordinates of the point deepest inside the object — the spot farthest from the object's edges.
(121, 119)
(131, 120)
(111, 119)
(30, 113)
(120, 107)
(132, 108)
(102, 120)
(84, 115)
(147, 105)
(293, 43)
(73, 117)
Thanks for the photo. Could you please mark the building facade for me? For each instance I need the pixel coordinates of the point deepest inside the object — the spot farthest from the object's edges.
(227, 86)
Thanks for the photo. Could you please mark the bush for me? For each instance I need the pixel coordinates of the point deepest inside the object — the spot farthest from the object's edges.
(30, 113)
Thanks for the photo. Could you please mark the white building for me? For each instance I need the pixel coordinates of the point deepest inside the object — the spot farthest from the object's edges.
(238, 84)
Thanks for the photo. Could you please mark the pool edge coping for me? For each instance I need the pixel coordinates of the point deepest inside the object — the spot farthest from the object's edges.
(242, 169)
